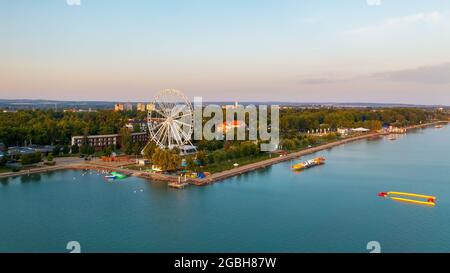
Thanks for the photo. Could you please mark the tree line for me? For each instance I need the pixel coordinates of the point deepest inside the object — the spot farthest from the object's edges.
(371, 118)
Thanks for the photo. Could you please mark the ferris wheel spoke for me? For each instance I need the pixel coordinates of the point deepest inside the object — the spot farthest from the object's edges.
(175, 134)
(160, 112)
(160, 133)
(163, 109)
(164, 135)
(181, 135)
(157, 126)
(185, 115)
(166, 103)
(186, 137)
(174, 112)
(169, 136)
(157, 130)
(183, 123)
(162, 102)
(161, 124)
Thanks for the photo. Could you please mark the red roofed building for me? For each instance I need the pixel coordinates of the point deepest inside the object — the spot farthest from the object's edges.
(227, 126)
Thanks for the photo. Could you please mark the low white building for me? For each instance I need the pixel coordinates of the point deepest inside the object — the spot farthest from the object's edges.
(343, 131)
(142, 162)
(360, 130)
(187, 149)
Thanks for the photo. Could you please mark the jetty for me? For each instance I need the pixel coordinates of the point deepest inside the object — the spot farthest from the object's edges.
(178, 185)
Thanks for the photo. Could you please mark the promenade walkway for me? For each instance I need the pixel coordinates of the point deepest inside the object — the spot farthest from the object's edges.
(75, 163)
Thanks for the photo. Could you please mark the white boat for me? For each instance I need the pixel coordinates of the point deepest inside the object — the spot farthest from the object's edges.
(110, 177)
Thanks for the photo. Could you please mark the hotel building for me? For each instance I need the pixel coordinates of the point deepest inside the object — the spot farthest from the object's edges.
(123, 107)
(150, 107)
(141, 107)
(118, 107)
(102, 141)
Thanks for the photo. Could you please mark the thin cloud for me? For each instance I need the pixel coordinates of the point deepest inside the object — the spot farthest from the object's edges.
(319, 81)
(404, 21)
(437, 74)
(434, 74)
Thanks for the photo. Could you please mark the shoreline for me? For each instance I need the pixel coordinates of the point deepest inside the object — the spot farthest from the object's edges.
(269, 162)
(216, 176)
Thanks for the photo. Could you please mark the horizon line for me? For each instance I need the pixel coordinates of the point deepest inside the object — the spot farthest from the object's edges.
(232, 101)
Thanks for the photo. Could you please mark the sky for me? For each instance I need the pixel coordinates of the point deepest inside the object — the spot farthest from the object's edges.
(395, 51)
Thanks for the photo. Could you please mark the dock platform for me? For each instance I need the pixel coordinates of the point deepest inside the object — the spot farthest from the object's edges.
(178, 185)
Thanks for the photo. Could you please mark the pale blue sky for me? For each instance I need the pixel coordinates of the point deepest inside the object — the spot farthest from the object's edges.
(317, 50)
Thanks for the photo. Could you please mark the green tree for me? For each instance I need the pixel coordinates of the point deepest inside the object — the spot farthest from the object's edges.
(75, 149)
(65, 149)
(190, 164)
(137, 128)
(87, 149)
(202, 158)
(373, 125)
(288, 144)
(167, 160)
(149, 150)
(56, 150)
(31, 158)
(174, 161)
(126, 142)
(137, 148)
(3, 160)
(219, 156)
(108, 150)
(49, 158)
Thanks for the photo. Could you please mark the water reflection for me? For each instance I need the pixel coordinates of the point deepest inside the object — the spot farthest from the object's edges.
(4, 181)
(31, 178)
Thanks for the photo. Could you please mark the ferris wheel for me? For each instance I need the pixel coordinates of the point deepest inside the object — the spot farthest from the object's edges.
(170, 121)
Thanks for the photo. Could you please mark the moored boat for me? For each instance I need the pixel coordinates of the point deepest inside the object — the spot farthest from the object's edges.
(308, 164)
(110, 177)
(119, 175)
(392, 138)
(115, 175)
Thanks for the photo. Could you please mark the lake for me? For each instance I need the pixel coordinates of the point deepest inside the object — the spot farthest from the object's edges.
(330, 208)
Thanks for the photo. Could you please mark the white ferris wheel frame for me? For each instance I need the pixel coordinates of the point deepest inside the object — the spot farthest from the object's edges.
(170, 123)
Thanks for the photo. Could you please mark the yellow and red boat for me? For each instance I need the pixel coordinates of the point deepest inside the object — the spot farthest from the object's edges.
(308, 164)
(399, 196)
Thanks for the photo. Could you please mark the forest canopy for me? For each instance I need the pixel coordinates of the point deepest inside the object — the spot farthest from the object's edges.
(52, 127)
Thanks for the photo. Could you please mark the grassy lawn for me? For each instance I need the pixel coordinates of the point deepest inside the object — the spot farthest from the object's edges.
(4, 169)
(228, 164)
(137, 167)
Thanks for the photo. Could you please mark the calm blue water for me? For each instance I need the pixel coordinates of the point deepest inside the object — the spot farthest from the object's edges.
(331, 208)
